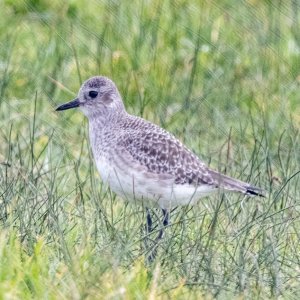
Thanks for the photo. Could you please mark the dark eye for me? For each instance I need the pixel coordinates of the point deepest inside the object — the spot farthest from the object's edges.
(93, 94)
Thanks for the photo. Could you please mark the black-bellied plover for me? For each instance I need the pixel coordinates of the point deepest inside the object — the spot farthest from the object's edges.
(141, 161)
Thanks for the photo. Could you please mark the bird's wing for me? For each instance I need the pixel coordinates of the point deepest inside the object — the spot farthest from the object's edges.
(161, 153)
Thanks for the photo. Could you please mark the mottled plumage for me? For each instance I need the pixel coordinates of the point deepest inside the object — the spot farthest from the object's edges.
(141, 161)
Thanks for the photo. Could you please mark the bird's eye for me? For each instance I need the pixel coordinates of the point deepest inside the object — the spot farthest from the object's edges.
(93, 94)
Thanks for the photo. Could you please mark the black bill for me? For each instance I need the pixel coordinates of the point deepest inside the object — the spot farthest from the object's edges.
(71, 104)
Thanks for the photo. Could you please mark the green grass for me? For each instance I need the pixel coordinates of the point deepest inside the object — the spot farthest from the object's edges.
(223, 76)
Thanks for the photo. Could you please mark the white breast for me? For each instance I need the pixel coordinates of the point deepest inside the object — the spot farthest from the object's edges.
(135, 186)
(127, 183)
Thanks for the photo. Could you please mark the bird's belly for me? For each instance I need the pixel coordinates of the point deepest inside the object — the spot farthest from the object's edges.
(134, 186)
(128, 184)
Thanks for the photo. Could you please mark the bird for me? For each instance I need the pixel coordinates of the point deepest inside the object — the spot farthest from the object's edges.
(141, 161)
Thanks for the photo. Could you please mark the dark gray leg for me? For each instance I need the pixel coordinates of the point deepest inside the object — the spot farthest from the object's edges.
(149, 229)
(165, 223)
(149, 221)
(166, 217)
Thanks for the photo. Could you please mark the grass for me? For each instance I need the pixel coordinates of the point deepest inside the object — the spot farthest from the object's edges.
(223, 76)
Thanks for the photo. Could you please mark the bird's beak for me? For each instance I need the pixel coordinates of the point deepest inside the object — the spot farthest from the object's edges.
(68, 105)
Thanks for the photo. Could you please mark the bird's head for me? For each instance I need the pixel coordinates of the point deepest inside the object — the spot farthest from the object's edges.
(97, 95)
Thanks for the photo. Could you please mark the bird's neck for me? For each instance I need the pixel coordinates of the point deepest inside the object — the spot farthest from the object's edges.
(103, 130)
(105, 117)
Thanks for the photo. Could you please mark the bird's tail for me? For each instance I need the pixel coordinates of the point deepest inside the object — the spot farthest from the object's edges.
(235, 185)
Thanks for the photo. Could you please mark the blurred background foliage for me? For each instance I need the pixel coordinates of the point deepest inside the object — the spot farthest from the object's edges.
(223, 76)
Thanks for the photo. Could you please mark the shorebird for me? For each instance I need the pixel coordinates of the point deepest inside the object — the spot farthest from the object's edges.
(141, 161)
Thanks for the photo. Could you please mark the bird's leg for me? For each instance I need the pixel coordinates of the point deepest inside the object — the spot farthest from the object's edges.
(165, 223)
(166, 217)
(149, 221)
(149, 229)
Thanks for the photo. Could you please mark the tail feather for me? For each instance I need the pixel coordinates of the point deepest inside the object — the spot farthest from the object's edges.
(235, 185)
(254, 191)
